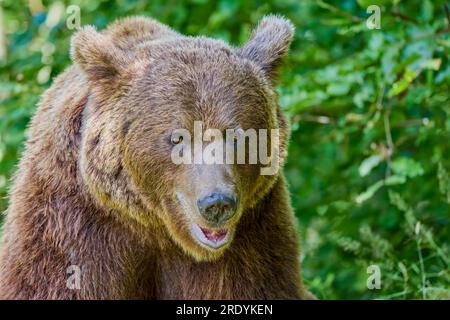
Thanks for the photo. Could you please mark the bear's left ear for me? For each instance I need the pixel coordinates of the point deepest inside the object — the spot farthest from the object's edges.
(97, 56)
(269, 43)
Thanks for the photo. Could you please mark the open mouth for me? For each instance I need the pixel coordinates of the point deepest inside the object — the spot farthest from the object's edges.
(211, 237)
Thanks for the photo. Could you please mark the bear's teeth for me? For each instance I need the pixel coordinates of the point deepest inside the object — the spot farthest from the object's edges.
(214, 235)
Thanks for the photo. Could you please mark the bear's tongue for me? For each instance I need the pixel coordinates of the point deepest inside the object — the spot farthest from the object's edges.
(214, 234)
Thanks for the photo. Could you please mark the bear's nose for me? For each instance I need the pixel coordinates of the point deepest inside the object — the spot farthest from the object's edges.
(217, 207)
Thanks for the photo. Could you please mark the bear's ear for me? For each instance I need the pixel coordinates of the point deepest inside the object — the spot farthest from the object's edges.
(97, 56)
(269, 43)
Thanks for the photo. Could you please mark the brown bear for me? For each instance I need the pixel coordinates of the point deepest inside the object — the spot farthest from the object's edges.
(98, 210)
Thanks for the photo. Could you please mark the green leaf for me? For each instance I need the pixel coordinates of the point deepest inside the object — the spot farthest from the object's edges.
(407, 167)
(338, 89)
(426, 13)
(369, 193)
(394, 180)
(368, 164)
(403, 84)
(444, 181)
(396, 199)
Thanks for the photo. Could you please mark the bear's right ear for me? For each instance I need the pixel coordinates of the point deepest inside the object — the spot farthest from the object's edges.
(269, 44)
(97, 56)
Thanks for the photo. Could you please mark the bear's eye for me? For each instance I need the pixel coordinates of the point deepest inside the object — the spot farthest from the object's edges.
(176, 139)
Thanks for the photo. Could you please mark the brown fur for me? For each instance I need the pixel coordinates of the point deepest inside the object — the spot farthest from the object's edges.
(95, 185)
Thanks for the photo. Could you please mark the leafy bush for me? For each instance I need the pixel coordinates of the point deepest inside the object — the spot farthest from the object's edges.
(369, 166)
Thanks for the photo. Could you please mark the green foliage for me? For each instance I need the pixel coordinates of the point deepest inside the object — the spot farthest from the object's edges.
(369, 157)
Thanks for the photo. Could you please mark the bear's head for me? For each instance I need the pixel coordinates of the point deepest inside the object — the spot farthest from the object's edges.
(154, 94)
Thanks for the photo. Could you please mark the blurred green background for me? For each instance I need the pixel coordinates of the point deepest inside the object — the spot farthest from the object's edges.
(369, 163)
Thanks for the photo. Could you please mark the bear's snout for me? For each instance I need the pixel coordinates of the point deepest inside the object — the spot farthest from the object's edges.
(217, 208)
